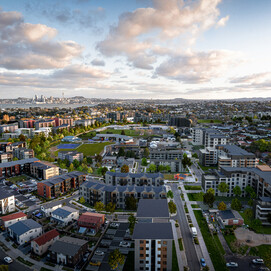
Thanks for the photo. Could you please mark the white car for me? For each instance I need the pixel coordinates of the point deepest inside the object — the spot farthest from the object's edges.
(232, 264)
(258, 261)
(124, 244)
(8, 260)
(114, 225)
(99, 253)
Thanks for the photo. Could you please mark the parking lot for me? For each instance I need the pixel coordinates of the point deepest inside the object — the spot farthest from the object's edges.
(110, 242)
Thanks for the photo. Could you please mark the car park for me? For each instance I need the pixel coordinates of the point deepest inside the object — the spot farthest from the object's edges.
(95, 263)
(114, 225)
(99, 253)
(202, 262)
(232, 264)
(8, 260)
(258, 261)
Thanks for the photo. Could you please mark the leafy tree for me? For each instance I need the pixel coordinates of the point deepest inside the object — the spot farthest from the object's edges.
(15, 159)
(222, 206)
(115, 259)
(132, 222)
(248, 213)
(125, 169)
(76, 163)
(195, 155)
(170, 194)
(211, 190)
(236, 204)
(89, 170)
(223, 187)
(130, 203)
(122, 132)
(237, 190)
(152, 168)
(186, 161)
(71, 167)
(98, 158)
(206, 268)
(102, 170)
(99, 206)
(256, 224)
(146, 153)
(209, 198)
(22, 137)
(110, 207)
(82, 200)
(172, 207)
(121, 152)
(144, 162)
(249, 189)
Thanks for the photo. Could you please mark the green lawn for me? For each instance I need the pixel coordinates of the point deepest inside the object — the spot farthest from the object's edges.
(127, 132)
(264, 252)
(213, 244)
(195, 206)
(130, 262)
(206, 168)
(88, 135)
(169, 176)
(17, 179)
(209, 121)
(56, 152)
(175, 266)
(180, 243)
(195, 196)
(92, 149)
(192, 187)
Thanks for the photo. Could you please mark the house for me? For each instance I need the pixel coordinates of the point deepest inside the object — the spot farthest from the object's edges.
(48, 208)
(41, 244)
(24, 231)
(11, 219)
(68, 251)
(7, 203)
(229, 218)
(64, 215)
(93, 221)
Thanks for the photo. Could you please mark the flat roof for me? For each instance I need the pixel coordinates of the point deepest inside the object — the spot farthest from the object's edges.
(153, 208)
(153, 231)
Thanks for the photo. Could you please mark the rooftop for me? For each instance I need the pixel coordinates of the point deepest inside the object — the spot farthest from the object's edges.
(13, 216)
(153, 208)
(24, 226)
(46, 237)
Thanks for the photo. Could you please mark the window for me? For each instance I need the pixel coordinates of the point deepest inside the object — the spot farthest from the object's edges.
(141, 261)
(141, 248)
(141, 255)
(141, 241)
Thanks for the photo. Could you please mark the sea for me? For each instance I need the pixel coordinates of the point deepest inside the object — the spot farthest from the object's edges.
(25, 106)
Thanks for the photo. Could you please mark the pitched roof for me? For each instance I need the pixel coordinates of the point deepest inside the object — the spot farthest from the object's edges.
(64, 211)
(13, 216)
(46, 237)
(24, 226)
(152, 208)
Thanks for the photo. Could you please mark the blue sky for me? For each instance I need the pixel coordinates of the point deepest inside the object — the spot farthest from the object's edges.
(193, 49)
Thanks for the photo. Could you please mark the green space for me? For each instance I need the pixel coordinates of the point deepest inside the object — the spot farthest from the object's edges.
(45, 269)
(22, 260)
(229, 199)
(213, 244)
(127, 132)
(88, 135)
(209, 121)
(206, 168)
(130, 262)
(180, 243)
(195, 196)
(56, 152)
(169, 176)
(264, 252)
(92, 149)
(17, 179)
(195, 206)
(175, 266)
(233, 244)
(3, 267)
(192, 187)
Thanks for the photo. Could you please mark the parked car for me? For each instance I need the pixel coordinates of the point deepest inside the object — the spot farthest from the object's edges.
(99, 253)
(104, 245)
(114, 225)
(232, 264)
(202, 262)
(8, 260)
(124, 244)
(95, 263)
(258, 261)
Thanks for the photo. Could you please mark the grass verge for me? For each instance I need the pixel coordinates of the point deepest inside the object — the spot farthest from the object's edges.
(180, 243)
(20, 259)
(195, 196)
(175, 266)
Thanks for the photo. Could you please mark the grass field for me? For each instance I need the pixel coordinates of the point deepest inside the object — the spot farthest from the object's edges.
(209, 121)
(192, 187)
(88, 135)
(264, 252)
(91, 149)
(195, 206)
(17, 179)
(213, 244)
(175, 266)
(127, 132)
(195, 196)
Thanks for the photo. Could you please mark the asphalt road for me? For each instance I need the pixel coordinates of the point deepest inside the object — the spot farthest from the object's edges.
(191, 255)
(15, 266)
(197, 172)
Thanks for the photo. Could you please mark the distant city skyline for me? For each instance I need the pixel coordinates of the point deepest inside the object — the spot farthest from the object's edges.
(191, 49)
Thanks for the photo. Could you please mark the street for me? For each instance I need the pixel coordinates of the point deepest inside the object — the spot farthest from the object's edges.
(191, 255)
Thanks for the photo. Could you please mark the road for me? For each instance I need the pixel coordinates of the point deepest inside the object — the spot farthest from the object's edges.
(197, 172)
(15, 266)
(190, 251)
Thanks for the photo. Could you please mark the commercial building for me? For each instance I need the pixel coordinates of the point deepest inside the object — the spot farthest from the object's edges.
(61, 184)
(113, 137)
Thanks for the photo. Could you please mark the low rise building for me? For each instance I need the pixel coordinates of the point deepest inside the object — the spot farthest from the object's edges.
(71, 156)
(6, 157)
(7, 203)
(64, 215)
(49, 207)
(262, 210)
(23, 153)
(229, 218)
(11, 219)
(91, 221)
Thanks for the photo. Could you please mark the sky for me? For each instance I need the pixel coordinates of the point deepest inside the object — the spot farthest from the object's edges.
(156, 49)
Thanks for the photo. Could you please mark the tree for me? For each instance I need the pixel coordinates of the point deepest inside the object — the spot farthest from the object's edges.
(211, 190)
(99, 206)
(222, 206)
(152, 168)
(76, 163)
(248, 213)
(122, 132)
(170, 194)
(22, 137)
(102, 170)
(146, 153)
(89, 160)
(195, 155)
(110, 207)
(209, 199)
(186, 161)
(256, 224)
(98, 158)
(132, 222)
(223, 187)
(144, 162)
(89, 170)
(71, 167)
(172, 207)
(130, 203)
(82, 200)
(206, 268)
(115, 259)
(125, 169)
(237, 191)
(236, 204)
(249, 189)
(121, 152)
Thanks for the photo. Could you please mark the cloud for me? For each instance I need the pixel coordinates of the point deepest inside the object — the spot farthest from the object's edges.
(256, 78)
(32, 46)
(222, 21)
(198, 67)
(98, 62)
(137, 32)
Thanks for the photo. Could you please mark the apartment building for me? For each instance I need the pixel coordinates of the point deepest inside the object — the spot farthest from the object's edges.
(44, 123)
(9, 127)
(58, 185)
(94, 191)
(23, 153)
(138, 179)
(179, 122)
(208, 137)
(71, 156)
(262, 210)
(160, 154)
(85, 122)
(43, 170)
(7, 203)
(5, 157)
